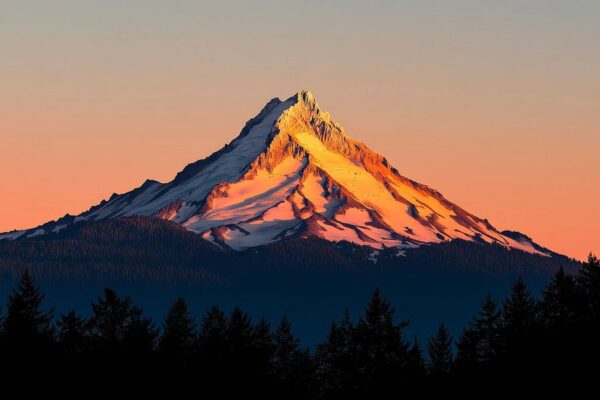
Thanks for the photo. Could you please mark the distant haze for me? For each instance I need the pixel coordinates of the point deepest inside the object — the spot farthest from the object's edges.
(496, 104)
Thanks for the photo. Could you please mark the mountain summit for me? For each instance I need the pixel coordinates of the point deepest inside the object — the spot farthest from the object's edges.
(293, 172)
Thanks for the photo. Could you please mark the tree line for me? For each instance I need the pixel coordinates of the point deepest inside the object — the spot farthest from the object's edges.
(541, 347)
(151, 250)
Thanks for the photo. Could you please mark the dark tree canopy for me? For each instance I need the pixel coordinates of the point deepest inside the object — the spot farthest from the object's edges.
(544, 347)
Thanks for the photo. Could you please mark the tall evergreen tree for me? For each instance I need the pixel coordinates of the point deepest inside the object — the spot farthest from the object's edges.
(292, 364)
(414, 374)
(589, 283)
(212, 341)
(240, 354)
(239, 333)
(117, 324)
(467, 354)
(382, 351)
(72, 333)
(26, 325)
(479, 343)
(336, 360)
(519, 315)
(416, 361)
(263, 353)
(262, 343)
(487, 330)
(179, 330)
(561, 302)
(439, 349)
(212, 354)
(27, 341)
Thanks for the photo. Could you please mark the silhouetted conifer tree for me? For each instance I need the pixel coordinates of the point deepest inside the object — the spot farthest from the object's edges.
(336, 360)
(382, 351)
(519, 316)
(117, 324)
(439, 349)
(292, 364)
(26, 327)
(239, 333)
(179, 330)
(589, 283)
(213, 353)
(467, 355)
(262, 343)
(213, 334)
(487, 330)
(561, 302)
(416, 361)
(240, 355)
(72, 333)
(262, 355)
(27, 342)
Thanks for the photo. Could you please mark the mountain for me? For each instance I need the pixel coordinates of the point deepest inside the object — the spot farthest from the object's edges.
(293, 172)
(293, 217)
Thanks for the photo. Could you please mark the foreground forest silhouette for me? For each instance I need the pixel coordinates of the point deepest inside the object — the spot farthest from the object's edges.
(544, 348)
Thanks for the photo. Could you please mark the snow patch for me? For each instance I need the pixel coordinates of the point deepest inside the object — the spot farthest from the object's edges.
(59, 228)
(373, 256)
(229, 167)
(337, 232)
(11, 235)
(38, 232)
(250, 198)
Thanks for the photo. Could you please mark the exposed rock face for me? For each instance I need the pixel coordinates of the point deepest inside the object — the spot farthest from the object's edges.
(293, 172)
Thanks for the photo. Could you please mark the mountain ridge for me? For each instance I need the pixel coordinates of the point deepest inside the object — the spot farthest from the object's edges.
(294, 172)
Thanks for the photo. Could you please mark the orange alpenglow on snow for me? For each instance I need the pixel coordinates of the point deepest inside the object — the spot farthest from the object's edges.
(291, 173)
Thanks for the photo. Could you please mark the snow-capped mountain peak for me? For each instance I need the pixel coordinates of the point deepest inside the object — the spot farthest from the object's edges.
(293, 172)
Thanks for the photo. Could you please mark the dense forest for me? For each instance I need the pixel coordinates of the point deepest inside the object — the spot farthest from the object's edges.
(540, 347)
(154, 250)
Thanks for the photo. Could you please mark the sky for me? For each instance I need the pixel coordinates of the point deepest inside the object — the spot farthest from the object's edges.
(496, 104)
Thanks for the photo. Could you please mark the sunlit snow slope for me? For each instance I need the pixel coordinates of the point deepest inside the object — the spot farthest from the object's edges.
(293, 172)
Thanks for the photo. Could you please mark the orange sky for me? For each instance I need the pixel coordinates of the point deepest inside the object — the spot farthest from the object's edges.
(495, 105)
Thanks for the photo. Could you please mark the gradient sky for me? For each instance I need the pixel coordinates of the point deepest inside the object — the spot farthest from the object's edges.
(494, 103)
